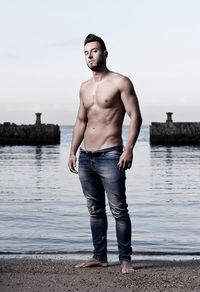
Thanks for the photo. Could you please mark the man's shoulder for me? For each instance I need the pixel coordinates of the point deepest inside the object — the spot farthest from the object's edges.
(120, 79)
(85, 84)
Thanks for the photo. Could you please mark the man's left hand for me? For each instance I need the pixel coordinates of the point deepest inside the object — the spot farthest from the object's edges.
(125, 161)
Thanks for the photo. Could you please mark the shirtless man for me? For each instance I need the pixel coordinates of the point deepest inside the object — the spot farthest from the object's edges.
(104, 100)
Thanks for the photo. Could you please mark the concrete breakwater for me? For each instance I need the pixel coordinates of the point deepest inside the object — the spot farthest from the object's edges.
(36, 134)
(170, 133)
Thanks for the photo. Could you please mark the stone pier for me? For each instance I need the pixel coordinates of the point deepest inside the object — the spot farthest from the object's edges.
(38, 119)
(36, 134)
(170, 133)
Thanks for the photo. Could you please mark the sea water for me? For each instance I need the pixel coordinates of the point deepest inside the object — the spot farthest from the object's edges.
(43, 210)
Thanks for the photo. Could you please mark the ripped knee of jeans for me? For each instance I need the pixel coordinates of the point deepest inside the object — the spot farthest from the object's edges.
(96, 212)
(119, 213)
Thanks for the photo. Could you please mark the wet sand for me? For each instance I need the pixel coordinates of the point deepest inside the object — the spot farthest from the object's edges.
(36, 275)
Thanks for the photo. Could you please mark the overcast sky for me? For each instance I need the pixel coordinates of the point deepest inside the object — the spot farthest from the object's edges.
(155, 43)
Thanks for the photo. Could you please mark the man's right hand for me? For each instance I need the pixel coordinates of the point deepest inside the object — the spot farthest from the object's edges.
(72, 163)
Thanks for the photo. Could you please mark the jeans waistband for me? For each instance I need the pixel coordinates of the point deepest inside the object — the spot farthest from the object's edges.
(101, 151)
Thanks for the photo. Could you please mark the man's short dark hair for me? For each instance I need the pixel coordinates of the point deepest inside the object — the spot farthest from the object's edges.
(94, 38)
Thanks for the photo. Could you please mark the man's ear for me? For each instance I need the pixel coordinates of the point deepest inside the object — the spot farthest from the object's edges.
(105, 54)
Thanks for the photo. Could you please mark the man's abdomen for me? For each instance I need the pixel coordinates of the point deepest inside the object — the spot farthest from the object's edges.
(102, 136)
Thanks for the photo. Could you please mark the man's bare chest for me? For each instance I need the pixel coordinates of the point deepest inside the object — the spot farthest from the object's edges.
(103, 96)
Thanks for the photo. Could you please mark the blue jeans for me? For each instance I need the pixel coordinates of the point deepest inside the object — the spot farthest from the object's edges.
(99, 173)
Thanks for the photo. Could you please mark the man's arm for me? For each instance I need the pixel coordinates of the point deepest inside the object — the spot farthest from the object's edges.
(131, 105)
(78, 134)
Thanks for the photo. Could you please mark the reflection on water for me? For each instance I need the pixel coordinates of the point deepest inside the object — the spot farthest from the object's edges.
(175, 187)
(42, 207)
(176, 168)
(38, 163)
(38, 155)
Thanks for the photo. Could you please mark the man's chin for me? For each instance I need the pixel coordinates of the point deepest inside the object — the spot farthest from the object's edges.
(93, 67)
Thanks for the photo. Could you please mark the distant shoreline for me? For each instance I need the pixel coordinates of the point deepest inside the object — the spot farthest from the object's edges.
(112, 256)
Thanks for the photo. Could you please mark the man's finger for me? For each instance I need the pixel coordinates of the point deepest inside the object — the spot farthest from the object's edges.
(73, 170)
(124, 165)
(120, 165)
(72, 166)
(129, 164)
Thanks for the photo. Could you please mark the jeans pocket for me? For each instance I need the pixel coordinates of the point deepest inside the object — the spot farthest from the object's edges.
(113, 154)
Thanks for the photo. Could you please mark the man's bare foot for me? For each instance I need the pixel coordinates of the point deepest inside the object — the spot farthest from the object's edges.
(92, 263)
(127, 268)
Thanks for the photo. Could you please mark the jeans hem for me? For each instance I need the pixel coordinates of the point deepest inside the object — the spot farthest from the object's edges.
(100, 258)
(125, 260)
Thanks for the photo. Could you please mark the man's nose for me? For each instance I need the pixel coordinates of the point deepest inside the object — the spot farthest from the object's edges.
(90, 55)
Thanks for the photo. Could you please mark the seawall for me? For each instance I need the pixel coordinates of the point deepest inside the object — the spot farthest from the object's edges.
(170, 133)
(36, 134)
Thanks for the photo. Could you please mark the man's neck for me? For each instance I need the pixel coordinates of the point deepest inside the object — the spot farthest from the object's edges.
(100, 74)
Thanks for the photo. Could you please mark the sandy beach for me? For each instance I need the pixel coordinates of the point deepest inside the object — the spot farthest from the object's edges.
(24, 275)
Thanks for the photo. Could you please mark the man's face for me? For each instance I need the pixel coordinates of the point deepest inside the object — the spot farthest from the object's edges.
(94, 56)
